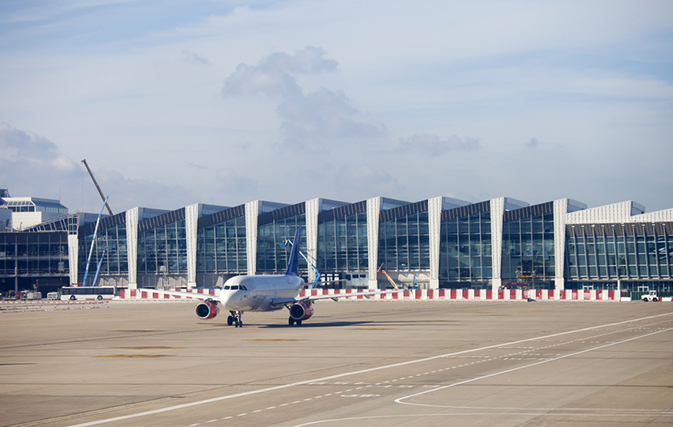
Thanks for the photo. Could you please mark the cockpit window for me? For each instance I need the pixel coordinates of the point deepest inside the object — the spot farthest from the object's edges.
(235, 288)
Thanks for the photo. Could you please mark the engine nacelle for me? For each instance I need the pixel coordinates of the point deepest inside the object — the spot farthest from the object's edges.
(301, 311)
(207, 310)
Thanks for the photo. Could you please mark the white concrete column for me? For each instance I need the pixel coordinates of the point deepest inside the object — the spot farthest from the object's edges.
(434, 226)
(312, 211)
(560, 213)
(373, 215)
(73, 257)
(251, 217)
(132, 216)
(497, 212)
(191, 228)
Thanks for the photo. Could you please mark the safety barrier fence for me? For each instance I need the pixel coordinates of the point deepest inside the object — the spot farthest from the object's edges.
(422, 294)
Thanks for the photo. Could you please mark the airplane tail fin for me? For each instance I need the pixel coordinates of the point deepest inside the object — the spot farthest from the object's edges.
(293, 263)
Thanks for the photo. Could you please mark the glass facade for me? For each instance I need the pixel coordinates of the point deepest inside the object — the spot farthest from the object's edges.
(113, 261)
(342, 244)
(627, 256)
(619, 251)
(35, 254)
(465, 256)
(404, 238)
(528, 246)
(222, 248)
(273, 229)
(163, 249)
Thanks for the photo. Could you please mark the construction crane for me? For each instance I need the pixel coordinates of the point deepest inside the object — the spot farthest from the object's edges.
(98, 188)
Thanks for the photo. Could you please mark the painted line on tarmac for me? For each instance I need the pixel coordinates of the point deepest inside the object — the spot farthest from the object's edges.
(410, 362)
(507, 371)
(527, 413)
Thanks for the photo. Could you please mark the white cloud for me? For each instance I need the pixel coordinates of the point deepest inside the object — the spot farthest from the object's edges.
(31, 165)
(273, 76)
(308, 121)
(194, 58)
(367, 181)
(533, 143)
(16, 144)
(234, 184)
(432, 144)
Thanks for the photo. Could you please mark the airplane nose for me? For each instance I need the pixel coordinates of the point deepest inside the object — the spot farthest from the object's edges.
(225, 296)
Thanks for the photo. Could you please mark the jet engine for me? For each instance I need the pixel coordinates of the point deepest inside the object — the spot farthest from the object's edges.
(300, 311)
(207, 310)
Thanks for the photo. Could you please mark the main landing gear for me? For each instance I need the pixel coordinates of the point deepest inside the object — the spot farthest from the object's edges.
(291, 322)
(235, 319)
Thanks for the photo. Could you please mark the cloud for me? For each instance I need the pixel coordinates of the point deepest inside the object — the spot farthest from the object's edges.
(32, 165)
(193, 58)
(533, 143)
(17, 144)
(234, 183)
(307, 61)
(378, 181)
(307, 120)
(273, 76)
(323, 114)
(433, 145)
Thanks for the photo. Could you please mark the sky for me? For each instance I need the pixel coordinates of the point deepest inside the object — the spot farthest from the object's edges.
(225, 102)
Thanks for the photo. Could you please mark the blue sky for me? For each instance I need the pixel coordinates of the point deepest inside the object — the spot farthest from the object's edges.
(225, 102)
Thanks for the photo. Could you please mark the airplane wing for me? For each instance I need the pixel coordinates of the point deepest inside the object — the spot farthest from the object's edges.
(183, 294)
(322, 282)
(284, 301)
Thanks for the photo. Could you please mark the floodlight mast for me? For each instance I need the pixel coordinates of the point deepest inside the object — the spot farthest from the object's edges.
(98, 188)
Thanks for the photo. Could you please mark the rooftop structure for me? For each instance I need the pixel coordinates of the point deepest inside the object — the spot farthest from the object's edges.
(30, 211)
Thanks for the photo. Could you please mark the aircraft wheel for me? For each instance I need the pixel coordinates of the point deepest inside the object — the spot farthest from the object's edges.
(230, 320)
(290, 321)
(298, 322)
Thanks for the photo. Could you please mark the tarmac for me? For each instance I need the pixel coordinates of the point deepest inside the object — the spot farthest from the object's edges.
(354, 363)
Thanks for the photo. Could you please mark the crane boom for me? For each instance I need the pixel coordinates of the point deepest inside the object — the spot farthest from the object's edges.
(98, 188)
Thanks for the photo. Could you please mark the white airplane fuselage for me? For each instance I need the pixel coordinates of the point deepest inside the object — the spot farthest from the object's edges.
(255, 293)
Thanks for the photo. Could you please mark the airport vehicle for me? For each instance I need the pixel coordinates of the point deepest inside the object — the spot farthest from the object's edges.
(84, 293)
(263, 293)
(650, 296)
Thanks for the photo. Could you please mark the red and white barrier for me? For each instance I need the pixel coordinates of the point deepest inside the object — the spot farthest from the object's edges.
(418, 294)
(479, 294)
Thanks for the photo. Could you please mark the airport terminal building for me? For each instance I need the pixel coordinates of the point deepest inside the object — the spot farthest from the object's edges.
(438, 243)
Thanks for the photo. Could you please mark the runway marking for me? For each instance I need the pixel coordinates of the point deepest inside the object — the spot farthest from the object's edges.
(400, 400)
(379, 368)
(133, 356)
(528, 412)
(151, 348)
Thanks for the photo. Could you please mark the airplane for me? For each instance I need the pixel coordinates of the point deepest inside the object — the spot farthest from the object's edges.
(264, 293)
